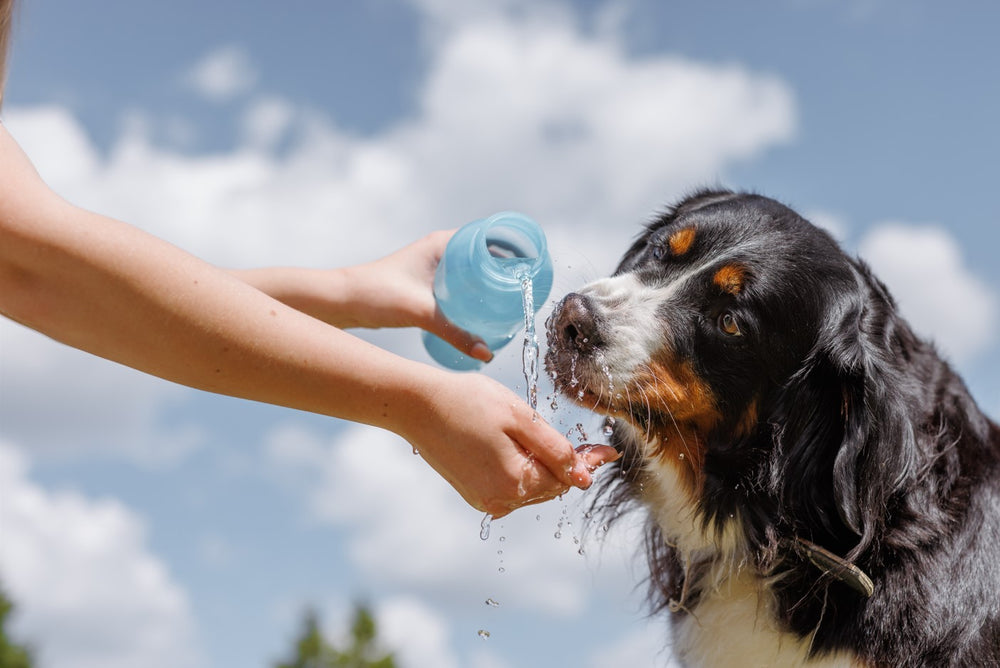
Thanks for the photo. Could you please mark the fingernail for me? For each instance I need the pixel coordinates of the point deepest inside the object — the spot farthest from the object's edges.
(482, 352)
(580, 474)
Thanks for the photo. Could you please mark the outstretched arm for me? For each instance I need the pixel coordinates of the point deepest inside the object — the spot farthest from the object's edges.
(394, 291)
(108, 288)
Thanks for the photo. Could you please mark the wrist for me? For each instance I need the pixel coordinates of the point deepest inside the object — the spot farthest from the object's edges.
(411, 401)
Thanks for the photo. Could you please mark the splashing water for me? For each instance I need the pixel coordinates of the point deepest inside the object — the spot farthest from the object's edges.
(484, 527)
(493, 604)
(529, 354)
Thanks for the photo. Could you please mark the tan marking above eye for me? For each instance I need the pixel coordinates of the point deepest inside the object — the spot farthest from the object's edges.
(680, 241)
(730, 278)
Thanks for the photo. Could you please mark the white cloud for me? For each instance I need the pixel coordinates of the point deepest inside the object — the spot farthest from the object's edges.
(59, 402)
(222, 74)
(646, 646)
(522, 113)
(924, 270)
(420, 635)
(266, 121)
(830, 222)
(89, 592)
(392, 503)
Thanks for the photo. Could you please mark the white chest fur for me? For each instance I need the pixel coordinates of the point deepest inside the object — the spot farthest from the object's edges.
(733, 622)
(732, 625)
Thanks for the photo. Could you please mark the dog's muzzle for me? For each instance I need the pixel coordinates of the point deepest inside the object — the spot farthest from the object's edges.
(574, 326)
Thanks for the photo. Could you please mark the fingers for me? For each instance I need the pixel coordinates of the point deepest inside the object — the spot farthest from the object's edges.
(466, 342)
(596, 456)
(538, 485)
(553, 451)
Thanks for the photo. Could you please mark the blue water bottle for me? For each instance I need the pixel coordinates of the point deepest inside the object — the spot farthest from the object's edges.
(478, 283)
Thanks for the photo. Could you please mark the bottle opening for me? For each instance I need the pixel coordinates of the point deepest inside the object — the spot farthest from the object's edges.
(513, 245)
(507, 243)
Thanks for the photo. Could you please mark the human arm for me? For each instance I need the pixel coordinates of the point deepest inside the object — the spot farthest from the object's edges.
(393, 291)
(108, 288)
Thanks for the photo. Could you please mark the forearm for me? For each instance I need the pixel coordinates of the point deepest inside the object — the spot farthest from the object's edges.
(154, 308)
(331, 295)
(113, 290)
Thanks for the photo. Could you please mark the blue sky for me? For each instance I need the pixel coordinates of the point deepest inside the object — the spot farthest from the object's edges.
(147, 524)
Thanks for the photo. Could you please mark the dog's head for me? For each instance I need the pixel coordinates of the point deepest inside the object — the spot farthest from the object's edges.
(747, 361)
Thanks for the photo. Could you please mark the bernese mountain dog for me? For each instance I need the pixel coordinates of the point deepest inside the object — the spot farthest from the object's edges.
(820, 487)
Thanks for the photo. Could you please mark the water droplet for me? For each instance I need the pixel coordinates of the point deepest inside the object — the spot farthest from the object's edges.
(538, 518)
(484, 634)
(554, 405)
(415, 451)
(608, 429)
(580, 551)
(503, 538)
(493, 604)
(680, 456)
(587, 515)
(501, 570)
(605, 527)
(484, 527)
(558, 534)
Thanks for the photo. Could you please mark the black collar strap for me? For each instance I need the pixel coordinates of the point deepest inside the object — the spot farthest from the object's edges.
(834, 566)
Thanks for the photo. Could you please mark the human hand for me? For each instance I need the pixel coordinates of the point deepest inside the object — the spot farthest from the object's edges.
(492, 447)
(398, 292)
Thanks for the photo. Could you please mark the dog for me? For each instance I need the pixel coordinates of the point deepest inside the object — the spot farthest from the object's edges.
(819, 485)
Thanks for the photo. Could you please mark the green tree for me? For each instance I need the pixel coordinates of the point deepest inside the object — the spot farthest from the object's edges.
(11, 654)
(313, 650)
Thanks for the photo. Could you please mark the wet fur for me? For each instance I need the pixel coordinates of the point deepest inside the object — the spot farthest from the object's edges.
(824, 419)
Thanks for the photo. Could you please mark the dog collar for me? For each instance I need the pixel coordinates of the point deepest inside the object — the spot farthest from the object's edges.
(834, 566)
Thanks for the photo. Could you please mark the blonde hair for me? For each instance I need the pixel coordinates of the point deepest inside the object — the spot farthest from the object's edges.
(6, 19)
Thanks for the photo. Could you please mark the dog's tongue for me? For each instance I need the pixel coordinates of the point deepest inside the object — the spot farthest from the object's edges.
(596, 455)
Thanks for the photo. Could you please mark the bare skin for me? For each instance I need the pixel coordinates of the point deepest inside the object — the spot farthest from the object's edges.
(274, 335)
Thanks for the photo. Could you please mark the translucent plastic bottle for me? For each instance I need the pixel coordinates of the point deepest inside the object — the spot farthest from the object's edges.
(478, 284)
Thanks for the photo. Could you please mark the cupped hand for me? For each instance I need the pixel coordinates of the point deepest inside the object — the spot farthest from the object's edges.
(496, 451)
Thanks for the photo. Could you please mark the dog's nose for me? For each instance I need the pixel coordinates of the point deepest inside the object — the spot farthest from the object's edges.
(576, 323)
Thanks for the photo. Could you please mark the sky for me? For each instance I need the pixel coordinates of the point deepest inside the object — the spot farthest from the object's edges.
(147, 524)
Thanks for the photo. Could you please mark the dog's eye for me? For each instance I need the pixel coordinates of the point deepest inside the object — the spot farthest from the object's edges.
(659, 252)
(729, 325)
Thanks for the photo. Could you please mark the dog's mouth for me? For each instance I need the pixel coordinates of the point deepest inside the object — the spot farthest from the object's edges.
(647, 388)
(576, 359)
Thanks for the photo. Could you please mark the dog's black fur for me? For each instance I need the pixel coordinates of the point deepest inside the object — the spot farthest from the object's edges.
(820, 416)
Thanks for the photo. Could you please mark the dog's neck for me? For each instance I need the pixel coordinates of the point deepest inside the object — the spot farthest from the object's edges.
(698, 540)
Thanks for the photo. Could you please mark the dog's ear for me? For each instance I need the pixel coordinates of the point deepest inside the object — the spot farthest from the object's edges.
(845, 433)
